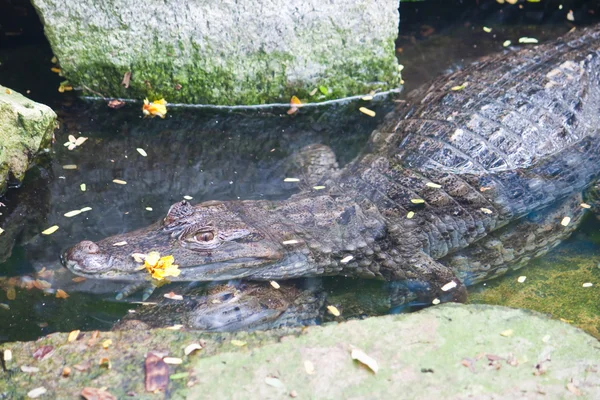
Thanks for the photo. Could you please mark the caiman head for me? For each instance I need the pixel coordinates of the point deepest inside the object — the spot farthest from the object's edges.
(209, 241)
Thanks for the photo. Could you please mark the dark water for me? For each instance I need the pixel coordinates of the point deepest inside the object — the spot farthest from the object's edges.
(199, 153)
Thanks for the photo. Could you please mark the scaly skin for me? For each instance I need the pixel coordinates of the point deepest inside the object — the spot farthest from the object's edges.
(521, 135)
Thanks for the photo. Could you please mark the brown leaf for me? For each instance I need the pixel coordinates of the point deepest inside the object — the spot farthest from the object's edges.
(78, 279)
(571, 387)
(90, 393)
(126, 79)
(61, 294)
(157, 373)
(43, 352)
(83, 366)
(66, 372)
(116, 104)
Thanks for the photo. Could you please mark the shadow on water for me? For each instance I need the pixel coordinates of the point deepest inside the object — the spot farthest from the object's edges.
(199, 153)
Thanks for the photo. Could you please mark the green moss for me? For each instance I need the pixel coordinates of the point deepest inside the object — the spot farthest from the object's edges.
(554, 287)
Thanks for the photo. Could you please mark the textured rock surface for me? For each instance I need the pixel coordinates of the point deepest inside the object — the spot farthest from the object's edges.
(224, 52)
(25, 128)
(450, 351)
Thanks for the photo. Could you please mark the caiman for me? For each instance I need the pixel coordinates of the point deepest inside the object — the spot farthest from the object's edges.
(481, 152)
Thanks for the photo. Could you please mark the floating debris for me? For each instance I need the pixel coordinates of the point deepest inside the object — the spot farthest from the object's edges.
(506, 43)
(417, 201)
(173, 296)
(82, 187)
(73, 142)
(295, 104)
(565, 221)
(410, 214)
(142, 152)
(70, 166)
(486, 210)
(318, 187)
(119, 182)
(84, 209)
(275, 284)
(73, 335)
(367, 111)
(487, 29)
(459, 87)
(436, 301)
(72, 213)
(293, 241)
(148, 208)
(346, 259)
(333, 311)
(448, 286)
(50, 230)
(119, 244)
(160, 267)
(291, 180)
(528, 40)
(186, 197)
(570, 16)
(363, 358)
(521, 279)
(1, 231)
(155, 108)
(433, 185)
(61, 294)
(585, 205)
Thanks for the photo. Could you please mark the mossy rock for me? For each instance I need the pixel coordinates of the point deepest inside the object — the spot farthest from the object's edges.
(25, 130)
(449, 351)
(222, 52)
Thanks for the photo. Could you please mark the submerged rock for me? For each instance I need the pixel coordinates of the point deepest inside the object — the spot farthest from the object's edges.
(224, 52)
(25, 129)
(449, 351)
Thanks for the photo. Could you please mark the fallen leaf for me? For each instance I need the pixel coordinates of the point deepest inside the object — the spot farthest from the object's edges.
(37, 392)
(29, 370)
(334, 311)
(72, 213)
(142, 152)
(78, 279)
(66, 372)
(157, 373)
(275, 284)
(172, 360)
(189, 349)
(106, 344)
(507, 333)
(73, 335)
(521, 279)
(188, 197)
(291, 180)
(90, 393)
(571, 387)
(309, 367)
(238, 343)
(82, 187)
(119, 244)
(565, 221)
(83, 366)
(43, 352)
(275, 382)
(7, 355)
(126, 79)
(448, 286)
(104, 363)
(119, 182)
(363, 358)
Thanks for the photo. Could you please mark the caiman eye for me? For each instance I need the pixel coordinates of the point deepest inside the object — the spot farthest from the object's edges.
(205, 236)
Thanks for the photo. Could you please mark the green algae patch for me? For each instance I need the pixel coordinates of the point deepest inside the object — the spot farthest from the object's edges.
(554, 285)
(225, 53)
(449, 351)
(25, 130)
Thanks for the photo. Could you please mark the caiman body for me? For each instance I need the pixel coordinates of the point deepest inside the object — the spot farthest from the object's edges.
(435, 202)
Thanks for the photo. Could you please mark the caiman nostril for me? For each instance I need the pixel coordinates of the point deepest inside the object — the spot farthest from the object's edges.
(89, 247)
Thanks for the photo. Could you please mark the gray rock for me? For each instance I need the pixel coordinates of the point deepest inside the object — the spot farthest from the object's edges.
(25, 129)
(224, 52)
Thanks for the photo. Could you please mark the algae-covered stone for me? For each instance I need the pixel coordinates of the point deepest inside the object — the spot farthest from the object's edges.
(25, 129)
(224, 52)
(450, 351)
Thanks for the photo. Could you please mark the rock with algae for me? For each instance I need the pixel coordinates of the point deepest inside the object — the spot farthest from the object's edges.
(557, 285)
(224, 52)
(450, 351)
(25, 129)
